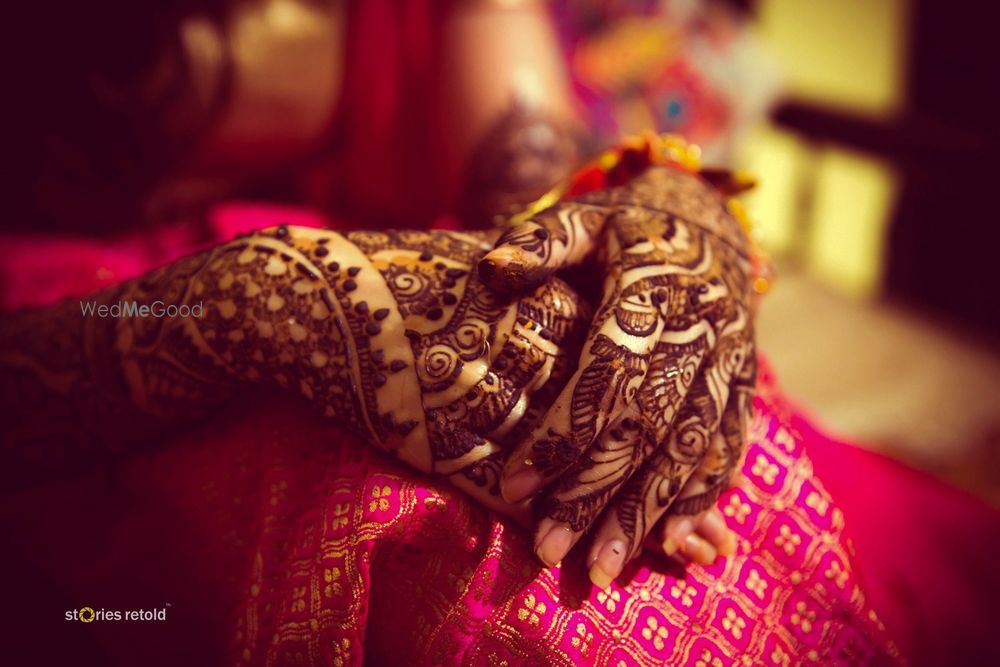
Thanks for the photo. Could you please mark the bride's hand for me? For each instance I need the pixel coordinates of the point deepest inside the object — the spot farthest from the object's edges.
(654, 417)
(392, 334)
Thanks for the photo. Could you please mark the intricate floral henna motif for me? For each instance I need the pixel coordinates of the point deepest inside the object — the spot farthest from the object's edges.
(362, 324)
(671, 341)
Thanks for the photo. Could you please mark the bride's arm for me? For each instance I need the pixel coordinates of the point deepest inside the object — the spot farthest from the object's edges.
(389, 333)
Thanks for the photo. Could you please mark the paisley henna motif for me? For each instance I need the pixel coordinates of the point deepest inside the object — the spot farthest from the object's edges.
(653, 415)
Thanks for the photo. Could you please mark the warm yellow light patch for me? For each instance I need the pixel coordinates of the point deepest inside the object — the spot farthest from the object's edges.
(851, 207)
(848, 53)
(777, 159)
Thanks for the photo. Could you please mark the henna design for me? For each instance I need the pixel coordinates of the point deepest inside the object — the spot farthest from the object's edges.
(551, 237)
(714, 474)
(692, 466)
(360, 324)
(675, 311)
(586, 488)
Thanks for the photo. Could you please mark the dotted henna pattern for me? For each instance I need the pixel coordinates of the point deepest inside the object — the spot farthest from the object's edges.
(391, 333)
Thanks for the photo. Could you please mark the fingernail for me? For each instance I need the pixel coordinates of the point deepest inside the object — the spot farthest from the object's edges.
(728, 547)
(520, 485)
(670, 546)
(555, 545)
(675, 533)
(608, 565)
(700, 551)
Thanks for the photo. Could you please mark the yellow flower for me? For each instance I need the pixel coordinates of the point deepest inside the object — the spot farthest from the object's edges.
(683, 592)
(298, 599)
(529, 612)
(737, 509)
(340, 511)
(708, 660)
(756, 583)
(785, 439)
(609, 599)
(764, 469)
(381, 499)
(341, 652)
(803, 616)
(734, 624)
(583, 638)
(779, 657)
(331, 576)
(655, 632)
(817, 502)
(435, 503)
(788, 540)
(837, 573)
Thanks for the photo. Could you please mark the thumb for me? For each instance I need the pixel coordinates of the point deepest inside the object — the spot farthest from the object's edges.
(529, 252)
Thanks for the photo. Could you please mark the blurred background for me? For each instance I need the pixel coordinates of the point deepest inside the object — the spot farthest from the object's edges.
(878, 174)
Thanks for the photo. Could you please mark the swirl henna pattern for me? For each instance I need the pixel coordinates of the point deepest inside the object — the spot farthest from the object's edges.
(654, 416)
(361, 324)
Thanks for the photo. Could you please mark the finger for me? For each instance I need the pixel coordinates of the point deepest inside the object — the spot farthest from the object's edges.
(636, 306)
(697, 549)
(597, 394)
(712, 527)
(709, 524)
(480, 476)
(585, 489)
(529, 252)
(672, 530)
(642, 501)
(675, 530)
(545, 326)
(648, 494)
(714, 473)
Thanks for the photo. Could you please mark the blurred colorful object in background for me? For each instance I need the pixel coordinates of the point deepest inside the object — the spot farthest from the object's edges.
(680, 67)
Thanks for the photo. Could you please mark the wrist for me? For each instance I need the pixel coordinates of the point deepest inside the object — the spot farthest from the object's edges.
(310, 311)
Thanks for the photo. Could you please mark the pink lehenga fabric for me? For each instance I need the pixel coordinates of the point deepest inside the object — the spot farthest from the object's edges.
(279, 540)
(365, 560)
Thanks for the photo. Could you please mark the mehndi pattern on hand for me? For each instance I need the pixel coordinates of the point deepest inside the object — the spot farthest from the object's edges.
(651, 418)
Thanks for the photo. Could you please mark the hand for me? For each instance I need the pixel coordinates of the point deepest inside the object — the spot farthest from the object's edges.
(391, 333)
(655, 415)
